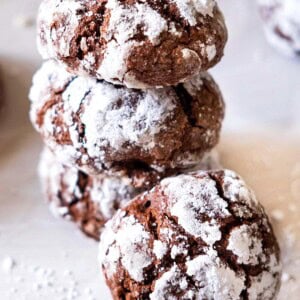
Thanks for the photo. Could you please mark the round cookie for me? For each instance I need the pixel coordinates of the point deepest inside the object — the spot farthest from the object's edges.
(101, 128)
(87, 201)
(195, 236)
(90, 201)
(282, 24)
(138, 44)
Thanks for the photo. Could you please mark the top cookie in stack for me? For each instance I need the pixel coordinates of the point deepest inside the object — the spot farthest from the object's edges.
(125, 93)
(139, 44)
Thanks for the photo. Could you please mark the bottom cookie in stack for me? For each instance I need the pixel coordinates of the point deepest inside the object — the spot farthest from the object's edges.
(90, 201)
(200, 235)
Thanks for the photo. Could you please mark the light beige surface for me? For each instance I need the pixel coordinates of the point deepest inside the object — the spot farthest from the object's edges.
(261, 141)
(35, 240)
(271, 166)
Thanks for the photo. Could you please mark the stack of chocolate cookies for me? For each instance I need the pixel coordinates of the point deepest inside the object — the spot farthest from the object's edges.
(128, 113)
(123, 99)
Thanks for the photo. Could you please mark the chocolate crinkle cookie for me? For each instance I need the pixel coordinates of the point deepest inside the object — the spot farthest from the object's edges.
(75, 196)
(197, 236)
(282, 24)
(137, 43)
(101, 128)
(90, 201)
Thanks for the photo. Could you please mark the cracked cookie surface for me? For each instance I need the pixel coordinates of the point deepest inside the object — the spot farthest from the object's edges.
(195, 236)
(105, 129)
(134, 43)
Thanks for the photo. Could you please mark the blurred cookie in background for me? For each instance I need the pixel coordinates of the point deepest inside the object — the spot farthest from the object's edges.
(282, 24)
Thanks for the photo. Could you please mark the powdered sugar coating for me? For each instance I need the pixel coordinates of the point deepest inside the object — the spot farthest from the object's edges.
(218, 280)
(71, 20)
(159, 249)
(106, 39)
(214, 249)
(123, 26)
(245, 245)
(129, 246)
(88, 201)
(263, 285)
(172, 277)
(190, 9)
(282, 24)
(102, 128)
(190, 198)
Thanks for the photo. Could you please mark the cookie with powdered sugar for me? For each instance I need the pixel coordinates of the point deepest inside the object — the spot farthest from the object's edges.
(282, 24)
(195, 236)
(138, 44)
(101, 128)
(90, 201)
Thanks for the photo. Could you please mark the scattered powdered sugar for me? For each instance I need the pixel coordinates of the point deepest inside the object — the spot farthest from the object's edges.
(37, 282)
(285, 277)
(127, 244)
(8, 264)
(189, 199)
(191, 9)
(245, 245)
(218, 281)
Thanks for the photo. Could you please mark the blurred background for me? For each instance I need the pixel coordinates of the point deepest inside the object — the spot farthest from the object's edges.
(43, 257)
